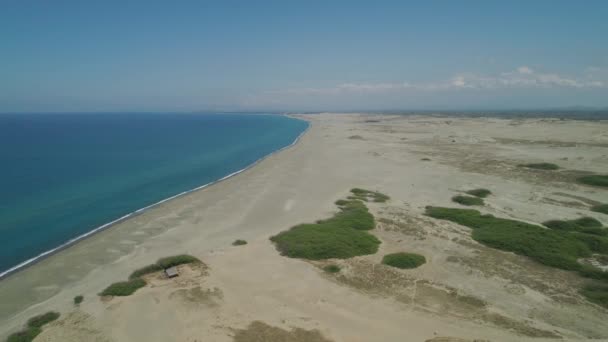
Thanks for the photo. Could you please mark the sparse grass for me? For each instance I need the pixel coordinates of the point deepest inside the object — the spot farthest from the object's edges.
(481, 193)
(425, 159)
(239, 242)
(138, 273)
(550, 247)
(596, 293)
(404, 260)
(600, 208)
(26, 335)
(367, 195)
(587, 225)
(540, 166)
(40, 320)
(176, 260)
(333, 268)
(467, 200)
(124, 288)
(341, 236)
(595, 180)
(78, 300)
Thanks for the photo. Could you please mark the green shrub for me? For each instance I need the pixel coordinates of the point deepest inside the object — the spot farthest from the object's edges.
(425, 159)
(540, 166)
(589, 271)
(145, 270)
(332, 268)
(481, 193)
(176, 260)
(596, 180)
(404, 260)
(467, 200)
(40, 320)
(596, 293)
(78, 299)
(124, 288)
(239, 242)
(367, 195)
(550, 247)
(26, 335)
(587, 225)
(600, 208)
(353, 214)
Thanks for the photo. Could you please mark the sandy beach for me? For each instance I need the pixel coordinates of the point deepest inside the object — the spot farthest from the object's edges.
(465, 291)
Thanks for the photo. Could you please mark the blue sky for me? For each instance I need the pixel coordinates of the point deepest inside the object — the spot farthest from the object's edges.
(301, 55)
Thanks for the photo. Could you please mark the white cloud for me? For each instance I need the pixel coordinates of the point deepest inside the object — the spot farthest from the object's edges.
(521, 77)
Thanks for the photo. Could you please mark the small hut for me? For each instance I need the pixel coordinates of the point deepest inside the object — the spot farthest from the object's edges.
(171, 272)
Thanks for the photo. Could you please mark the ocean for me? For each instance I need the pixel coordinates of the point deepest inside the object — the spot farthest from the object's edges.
(64, 176)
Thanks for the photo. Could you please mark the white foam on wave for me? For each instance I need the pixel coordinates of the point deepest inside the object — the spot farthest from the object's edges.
(70, 242)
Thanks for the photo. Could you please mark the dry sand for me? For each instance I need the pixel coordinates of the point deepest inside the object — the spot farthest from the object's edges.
(464, 292)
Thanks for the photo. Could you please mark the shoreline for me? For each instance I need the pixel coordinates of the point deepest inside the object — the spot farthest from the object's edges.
(42, 256)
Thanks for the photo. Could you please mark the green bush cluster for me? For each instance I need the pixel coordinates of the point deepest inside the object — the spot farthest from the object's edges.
(540, 166)
(367, 195)
(597, 293)
(342, 236)
(481, 193)
(467, 200)
(239, 242)
(404, 260)
(600, 208)
(333, 268)
(163, 263)
(123, 288)
(78, 300)
(33, 328)
(596, 180)
(555, 248)
(587, 225)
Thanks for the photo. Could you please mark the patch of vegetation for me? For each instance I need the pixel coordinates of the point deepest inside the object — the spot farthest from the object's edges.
(34, 327)
(481, 193)
(595, 180)
(467, 200)
(26, 335)
(333, 268)
(124, 288)
(163, 263)
(78, 300)
(176, 260)
(587, 225)
(425, 159)
(138, 273)
(404, 260)
(540, 166)
(368, 195)
(341, 236)
(600, 208)
(596, 293)
(239, 242)
(40, 320)
(550, 247)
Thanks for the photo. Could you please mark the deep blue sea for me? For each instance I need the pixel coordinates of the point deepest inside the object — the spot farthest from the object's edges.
(63, 175)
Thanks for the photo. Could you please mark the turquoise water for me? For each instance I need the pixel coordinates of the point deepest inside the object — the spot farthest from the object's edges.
(63, 175)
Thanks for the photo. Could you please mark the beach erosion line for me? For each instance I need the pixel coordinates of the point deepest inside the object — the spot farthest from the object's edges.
(105, 226)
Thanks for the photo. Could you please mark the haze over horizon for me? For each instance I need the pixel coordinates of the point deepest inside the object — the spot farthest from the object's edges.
(313, 56)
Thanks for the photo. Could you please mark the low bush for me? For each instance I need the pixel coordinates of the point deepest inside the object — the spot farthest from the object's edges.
(40, 320)
(78, 299)
(26, 335)
(367, 195)
(341, 236)
(540, 166)
(595, 180)
(596, 293)
(176, 260)
(404, 260)
(145, 270)
(467, 200)
(239, 242)
(600, 208)
(124, 288)
(481, 193)
(332, 268)
(587, 225)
